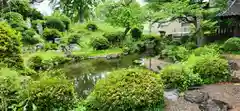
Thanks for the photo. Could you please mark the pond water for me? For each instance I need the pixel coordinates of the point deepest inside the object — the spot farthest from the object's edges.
(88, 72)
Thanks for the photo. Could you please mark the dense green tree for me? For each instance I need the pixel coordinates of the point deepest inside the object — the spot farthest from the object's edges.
(125, 13)
(77, 8)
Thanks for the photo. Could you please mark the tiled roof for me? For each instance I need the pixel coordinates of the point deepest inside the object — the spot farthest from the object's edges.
(233, 9)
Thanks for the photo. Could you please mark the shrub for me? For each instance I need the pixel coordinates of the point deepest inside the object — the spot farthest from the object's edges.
(100, 43)
(74, 38)
(114, 38)
(51, 34)
(212, 69)
(48, 94)
(30, 38)
(178, 76)
(232, 44)
(35, 15)
(13, 17)
(175, 53)
(36, 22)
(136, 33)
(36, 63)
(50, 46)
(20, 6)
(190, 45)
(66, 21)
(92, 27)
(205, 51)
(55, 23)
(9, 86)
(126, 90)
(10, 47)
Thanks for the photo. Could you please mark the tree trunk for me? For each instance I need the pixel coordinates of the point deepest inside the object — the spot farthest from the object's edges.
(81, 15)
(199, 32)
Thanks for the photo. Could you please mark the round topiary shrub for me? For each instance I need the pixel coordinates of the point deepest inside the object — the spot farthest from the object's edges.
(178, 76)
(232, 44)
(55, 23)
(66, 21)
(100, 43)
(212, 69)
(175, 53)
(10, 47)
(51, 34)
(74, 38)
(20, 6)
(29, 38)
(136, 33)
(13, 17)
(133, 89)
(92, 27)
(48, 94)
(114, 38)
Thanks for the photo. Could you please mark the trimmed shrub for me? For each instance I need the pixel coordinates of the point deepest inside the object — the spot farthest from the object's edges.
(212, 69)
(48, 94)
(232, 44)
(190, 45)
(100, 43)
(35, 15)
(133, 89)
(29, 37)
(114, 38)
(178, 76)
(66, 21)
(13, 17)
(10, 47)
(50, 46)
(51, 34)
(74, 38)
(136, 33)
(36, 22)
(92, 27)
(36, 63)
(55, 23)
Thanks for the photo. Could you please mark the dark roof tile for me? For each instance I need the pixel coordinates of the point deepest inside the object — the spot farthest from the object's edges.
(233, 9)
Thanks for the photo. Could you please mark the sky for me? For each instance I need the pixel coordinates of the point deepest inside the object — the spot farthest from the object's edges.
(45, 9)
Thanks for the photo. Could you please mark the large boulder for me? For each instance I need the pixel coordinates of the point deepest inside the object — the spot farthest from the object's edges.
(196, 96)
(214, 105)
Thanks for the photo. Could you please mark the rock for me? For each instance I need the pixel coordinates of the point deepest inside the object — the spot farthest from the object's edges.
(171, 94)
(196, 96)
(214, 105)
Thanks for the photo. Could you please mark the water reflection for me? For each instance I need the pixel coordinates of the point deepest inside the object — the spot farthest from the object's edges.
(88, 72)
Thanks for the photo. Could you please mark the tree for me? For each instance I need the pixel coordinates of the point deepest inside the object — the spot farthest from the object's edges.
(188, 11)
(79, 8)
(125, 13)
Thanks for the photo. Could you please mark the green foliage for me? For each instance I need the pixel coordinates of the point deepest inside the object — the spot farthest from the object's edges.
(232, 44)
(92, 27)
(10, 47)
(55, 23)
(175, 53)
(74, 38)
(19, 6)
(9, 86)
(51, 34)
(50, 46)
(36, 22)
(205, 50)
(48, 94)
(136, 33)
(115, 38)
(178, 76)
(30, 37)
(36, 63)
(190, 45)
(211, 69)
(15, 19)
(126, 90)
(100, 43)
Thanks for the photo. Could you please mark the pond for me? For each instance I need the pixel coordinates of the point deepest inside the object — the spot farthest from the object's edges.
(88, 72)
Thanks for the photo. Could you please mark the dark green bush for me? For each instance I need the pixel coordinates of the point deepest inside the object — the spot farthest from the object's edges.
(126, 90)
(10, 47)
(100, 43)
(178, 76)
(50, 46)
(74, 38)
(36, 63)
(60, 61)
(92, 27)
(48, 94)
(55, 23)
(51, 34)
(136, 33)
(36, 22)
(13, 17)
(190, 45)
(232, 44)
(212, 69)
(35, 15)
(29, 38)
(115, 38)
(66, 21)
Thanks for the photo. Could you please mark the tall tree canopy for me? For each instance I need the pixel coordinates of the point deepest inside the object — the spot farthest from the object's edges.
(77, 8)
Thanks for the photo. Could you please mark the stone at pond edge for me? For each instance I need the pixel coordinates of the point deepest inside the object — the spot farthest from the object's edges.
(214, 105)
(196, 96)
